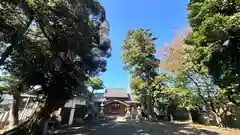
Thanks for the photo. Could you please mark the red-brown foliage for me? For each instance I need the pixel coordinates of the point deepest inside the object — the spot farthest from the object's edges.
(173, 53)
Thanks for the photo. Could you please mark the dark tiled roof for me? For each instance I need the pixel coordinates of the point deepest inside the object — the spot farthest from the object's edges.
(116, 92)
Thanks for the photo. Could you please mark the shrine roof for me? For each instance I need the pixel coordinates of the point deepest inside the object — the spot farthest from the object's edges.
(116, 92)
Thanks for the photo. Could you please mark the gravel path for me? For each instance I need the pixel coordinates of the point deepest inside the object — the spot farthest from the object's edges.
(141, 128)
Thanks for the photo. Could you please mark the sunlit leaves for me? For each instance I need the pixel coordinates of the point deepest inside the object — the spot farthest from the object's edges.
(138, 48)
(138, 83)
(139, 58)
(95, 83)
(215, 34)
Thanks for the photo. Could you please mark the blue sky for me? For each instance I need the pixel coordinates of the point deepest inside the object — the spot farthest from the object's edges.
(162, 17)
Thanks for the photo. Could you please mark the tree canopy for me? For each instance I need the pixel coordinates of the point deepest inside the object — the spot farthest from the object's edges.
(215, 35)
(59, 46)
(139, 58)
(55, 44)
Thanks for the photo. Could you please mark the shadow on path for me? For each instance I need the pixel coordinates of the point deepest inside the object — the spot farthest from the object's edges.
(110, 127)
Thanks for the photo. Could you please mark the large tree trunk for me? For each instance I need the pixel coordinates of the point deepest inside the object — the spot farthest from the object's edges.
(170, 110)
(144, 103)
(149, 103)
(190, 116)
(219, 120)
(171, 117)
(39, 124)
(13, 117)
(36, 125)
(31, 126)
(149, 107)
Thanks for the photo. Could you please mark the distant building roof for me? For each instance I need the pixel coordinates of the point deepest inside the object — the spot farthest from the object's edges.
(99, 91)
(116, 92)
(99, 97)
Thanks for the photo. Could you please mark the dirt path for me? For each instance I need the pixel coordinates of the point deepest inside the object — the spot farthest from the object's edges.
(142, 128)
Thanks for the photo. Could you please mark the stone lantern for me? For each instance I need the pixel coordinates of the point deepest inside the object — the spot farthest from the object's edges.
(128, 113)
(101, 114)
(139, 115)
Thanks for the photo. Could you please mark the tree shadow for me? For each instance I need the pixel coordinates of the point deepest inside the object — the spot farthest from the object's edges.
(110, 127)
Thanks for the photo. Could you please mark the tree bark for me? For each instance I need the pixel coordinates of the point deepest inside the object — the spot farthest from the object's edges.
(13, 117)
(219, 120)
(171, 116)
(36, 124)
(190, 116)
(39, 123)
(170, 110)
(149, 106)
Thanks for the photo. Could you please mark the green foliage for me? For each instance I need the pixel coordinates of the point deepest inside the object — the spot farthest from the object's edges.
(139, 50)
(188, 99)
(9, 83)
(138, 83)
(54, 44)
(137, 86)
(159, 85)
(216, 37)
(139, 59)
(95, 83)
(178, 92)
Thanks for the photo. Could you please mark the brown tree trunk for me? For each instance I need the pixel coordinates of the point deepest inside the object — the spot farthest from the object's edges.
(36, 125)
(39, 124)
(144, 103)
(149, 105)
(171, 109)
(28, 127)
(190, 116)
(171, 116)
(13, 117)
(219, 120)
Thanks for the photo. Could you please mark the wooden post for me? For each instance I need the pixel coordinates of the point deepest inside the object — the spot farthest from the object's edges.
(23, 111)
(72, 112)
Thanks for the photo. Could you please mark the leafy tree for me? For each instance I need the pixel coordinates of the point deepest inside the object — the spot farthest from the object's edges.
(160, 83)
(11, 85)
(188, 98)
(137, 86)
(95, 83)
(215, 34)
(174, 53)
(193, 75)
(54, 44)
(139, 59)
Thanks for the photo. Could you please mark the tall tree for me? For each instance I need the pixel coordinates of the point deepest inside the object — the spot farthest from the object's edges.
(139, 59)
(65, 44)
(215, 26)
(194, 75)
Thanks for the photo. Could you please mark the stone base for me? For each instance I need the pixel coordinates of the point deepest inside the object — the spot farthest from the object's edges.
(139, 117)
(101, 117)
(120, 119)
(128, 117)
